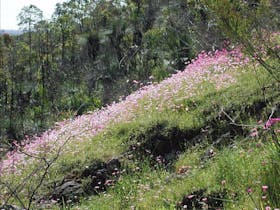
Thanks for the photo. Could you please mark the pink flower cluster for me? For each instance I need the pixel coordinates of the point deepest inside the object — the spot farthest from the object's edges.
(271, 122)
(212, 67)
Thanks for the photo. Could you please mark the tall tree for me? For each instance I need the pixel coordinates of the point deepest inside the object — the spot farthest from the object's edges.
(28, 17)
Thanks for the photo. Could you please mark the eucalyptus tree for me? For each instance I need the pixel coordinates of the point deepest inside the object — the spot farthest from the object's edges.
(65, 21)
(42, 48)
(10, 73)
(28, 17)
(5, 80)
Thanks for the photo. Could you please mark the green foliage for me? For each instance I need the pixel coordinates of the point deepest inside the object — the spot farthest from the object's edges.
(271, 168)
(93, 48)
(254, 24)
(87, 56)
(234, 164)
(77, 100)
(234, 167)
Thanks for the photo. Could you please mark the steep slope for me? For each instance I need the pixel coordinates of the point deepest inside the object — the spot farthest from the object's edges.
(180, 137)
(216, 69)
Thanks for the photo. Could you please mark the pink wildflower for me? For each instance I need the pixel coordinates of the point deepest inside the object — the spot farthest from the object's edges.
(254, 132)
(207, 67)
(109, 182)
(264, 188)
(204, 200)
(264, 163)
(271, 122)
(190, 196)
(249, 190)
(267, 208)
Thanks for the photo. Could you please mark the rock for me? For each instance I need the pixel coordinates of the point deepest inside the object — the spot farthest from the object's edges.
(96, 177)
(208, 154)
(101, 174)
(93, 168)
(68, 191)
(113, 165)
(200, 200)
(98, 181)
(10, 207)
(191, 201)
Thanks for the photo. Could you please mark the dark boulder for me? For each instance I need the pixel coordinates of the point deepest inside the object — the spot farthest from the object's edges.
(68, 191)
(201, 200)
(10, 207)
(93, 179)
(101, 174)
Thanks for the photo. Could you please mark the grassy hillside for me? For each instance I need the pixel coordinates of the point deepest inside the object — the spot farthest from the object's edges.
(205, 138)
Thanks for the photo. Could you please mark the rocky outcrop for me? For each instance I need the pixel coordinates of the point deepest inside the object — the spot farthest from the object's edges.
(10, 207)
(68, 191)
(201, 200)
(95, 178)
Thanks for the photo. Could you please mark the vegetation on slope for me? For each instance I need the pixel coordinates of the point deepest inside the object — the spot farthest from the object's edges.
(89, 54)
(205, 138)
(218, 167)
(182, 142)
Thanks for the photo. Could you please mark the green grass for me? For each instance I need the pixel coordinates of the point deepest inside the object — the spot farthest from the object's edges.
(238, 161)
(240, 165)
(201, 109)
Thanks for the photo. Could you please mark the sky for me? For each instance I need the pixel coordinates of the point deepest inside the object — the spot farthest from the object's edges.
(11, 8)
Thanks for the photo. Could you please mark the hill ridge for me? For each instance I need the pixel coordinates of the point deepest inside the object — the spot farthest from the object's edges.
(212, 67)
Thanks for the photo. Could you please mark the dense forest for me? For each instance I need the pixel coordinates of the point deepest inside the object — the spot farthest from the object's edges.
(91, 53)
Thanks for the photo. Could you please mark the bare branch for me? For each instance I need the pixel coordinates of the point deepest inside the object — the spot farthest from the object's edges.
(237, 124)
